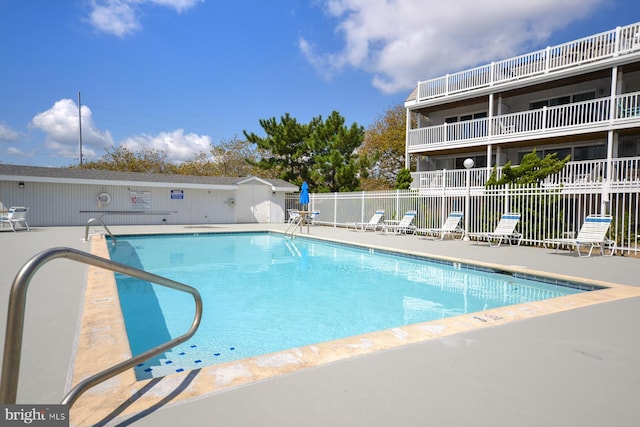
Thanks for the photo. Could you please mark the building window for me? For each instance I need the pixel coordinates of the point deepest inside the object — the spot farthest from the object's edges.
(590, 152)
(586, 152)
(449, 163)
(466, 117)
(562, 100)
(444, 164)
(629, 147)
(478, 161)
(561, 153)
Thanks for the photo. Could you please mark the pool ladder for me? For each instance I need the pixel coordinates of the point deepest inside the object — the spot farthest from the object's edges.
(99, 221)
(293, 225)
(16, 311)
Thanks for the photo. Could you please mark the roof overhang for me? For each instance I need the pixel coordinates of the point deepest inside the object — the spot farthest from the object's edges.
(120, 183)
(285, 188)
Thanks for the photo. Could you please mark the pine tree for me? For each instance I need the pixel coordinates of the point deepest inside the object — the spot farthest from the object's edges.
(284, 149)
(532, 170)
(322, 152)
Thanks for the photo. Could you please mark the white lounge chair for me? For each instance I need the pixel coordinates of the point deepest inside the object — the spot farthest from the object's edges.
(374, 223)
(505, 230)
(16, 215)
(403, 226)
(450, 227)
(593, 233)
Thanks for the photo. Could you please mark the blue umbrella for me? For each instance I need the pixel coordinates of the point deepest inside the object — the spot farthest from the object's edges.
(304, 194)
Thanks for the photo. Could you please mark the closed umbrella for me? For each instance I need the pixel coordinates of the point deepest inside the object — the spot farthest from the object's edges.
(304, 195)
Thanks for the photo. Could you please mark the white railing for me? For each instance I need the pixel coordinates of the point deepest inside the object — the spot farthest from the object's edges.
(624, 172)
(547, 211)
(543, 121)
(446, 180)
(628, 106)
(524, 65)
(476, 77)
(597, 47)
(586, 172)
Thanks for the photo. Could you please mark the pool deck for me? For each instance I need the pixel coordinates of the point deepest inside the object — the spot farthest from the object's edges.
(571, 364)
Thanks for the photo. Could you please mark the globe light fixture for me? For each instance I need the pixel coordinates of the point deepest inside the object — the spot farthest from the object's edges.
(468, 164)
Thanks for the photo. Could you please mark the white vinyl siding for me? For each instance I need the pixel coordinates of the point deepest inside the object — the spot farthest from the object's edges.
(64, 204)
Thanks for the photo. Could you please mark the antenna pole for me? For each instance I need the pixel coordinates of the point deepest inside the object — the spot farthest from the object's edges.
(80, 127)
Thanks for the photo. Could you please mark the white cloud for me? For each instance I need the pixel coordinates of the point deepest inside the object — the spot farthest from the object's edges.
(7, 134)
(14, 151)
(403, 41)
(176, 144)
(61, 125)
(114, 17)
(122, 17)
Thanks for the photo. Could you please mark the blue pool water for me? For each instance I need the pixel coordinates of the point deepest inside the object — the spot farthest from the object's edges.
(264, 293)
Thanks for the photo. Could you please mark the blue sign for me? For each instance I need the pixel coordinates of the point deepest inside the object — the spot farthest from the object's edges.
(177, 194)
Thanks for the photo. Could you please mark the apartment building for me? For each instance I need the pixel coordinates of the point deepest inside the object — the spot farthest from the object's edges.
(580, 98)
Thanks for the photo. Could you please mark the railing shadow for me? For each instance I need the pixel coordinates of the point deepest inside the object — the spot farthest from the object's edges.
(145, 389)
(136, 297)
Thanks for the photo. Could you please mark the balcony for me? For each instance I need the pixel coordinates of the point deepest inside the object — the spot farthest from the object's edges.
(569, 119)
(589, 50)
(585, 176)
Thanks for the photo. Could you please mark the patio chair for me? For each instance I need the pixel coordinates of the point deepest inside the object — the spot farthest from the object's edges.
(313, 216)
(294, 215)
(374, 223)
(403, 226)
(16, 215)
(592, 234)
(450, 227)
(505, 230)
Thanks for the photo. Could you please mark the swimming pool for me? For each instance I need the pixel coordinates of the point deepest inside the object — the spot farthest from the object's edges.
(264, 293)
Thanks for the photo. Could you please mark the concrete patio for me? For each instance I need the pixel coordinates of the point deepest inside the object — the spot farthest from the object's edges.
(576, 367)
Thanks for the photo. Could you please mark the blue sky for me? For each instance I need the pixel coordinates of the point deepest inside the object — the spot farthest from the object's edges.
(180, 75)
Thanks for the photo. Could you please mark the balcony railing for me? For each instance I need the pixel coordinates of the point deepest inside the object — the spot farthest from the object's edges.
(624, 172)
(547, 120)
(598, 47)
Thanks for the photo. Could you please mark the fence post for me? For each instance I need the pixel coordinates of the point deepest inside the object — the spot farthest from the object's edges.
(335, 210)
(609, 172)
(547, 62)
(506, 198)
(467, 196)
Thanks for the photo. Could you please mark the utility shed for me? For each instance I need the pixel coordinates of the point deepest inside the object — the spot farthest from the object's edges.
(66, 196)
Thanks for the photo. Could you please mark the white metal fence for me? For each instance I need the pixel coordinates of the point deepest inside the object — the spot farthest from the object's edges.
(547, 212)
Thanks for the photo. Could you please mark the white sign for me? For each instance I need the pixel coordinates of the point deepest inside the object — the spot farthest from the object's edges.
(140, 200)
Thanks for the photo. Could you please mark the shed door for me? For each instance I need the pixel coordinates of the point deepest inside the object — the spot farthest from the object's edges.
(253, 204)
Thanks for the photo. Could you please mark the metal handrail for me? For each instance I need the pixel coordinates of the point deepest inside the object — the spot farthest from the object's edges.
(16, 311)
(293, 225)
(86, 229)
